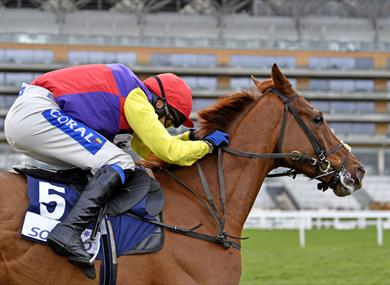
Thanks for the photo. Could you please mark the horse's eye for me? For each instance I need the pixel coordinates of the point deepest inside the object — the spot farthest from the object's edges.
(319, 119)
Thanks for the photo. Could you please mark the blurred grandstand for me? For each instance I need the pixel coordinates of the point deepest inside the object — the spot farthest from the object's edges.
(334, 52)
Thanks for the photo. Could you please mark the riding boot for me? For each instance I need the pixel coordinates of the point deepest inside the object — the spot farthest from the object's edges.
(65, 238)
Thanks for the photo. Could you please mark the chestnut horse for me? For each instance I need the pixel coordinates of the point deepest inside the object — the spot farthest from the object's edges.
(271, 119)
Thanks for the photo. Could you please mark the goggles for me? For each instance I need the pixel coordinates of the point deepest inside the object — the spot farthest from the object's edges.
(172, 115)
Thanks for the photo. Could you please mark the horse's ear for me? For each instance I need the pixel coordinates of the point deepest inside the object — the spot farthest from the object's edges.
(280, 81)
(255, 81)
(262, 85)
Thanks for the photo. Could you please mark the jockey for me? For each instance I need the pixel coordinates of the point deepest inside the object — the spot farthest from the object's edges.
(69, 118)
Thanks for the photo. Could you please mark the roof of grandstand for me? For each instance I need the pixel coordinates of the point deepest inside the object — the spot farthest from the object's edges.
(293, 8)
(343, 25)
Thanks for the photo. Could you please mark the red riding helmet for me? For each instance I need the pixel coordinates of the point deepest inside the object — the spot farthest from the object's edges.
(178, 93)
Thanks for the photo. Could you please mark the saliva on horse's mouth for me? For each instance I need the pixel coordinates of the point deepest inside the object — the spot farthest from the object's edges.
(344, 186)
(347, 181)
(347, 185)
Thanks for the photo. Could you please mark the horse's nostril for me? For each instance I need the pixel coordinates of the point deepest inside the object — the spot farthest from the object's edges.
(360, 173)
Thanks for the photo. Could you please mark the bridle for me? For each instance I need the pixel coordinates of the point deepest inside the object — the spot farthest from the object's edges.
(320, 162)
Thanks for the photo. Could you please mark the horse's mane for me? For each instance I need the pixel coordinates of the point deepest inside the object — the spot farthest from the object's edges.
(221, 114)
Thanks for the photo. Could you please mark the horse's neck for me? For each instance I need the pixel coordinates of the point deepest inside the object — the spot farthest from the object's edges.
(258, 131)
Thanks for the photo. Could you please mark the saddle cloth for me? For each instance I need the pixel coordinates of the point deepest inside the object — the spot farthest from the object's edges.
(139, 200)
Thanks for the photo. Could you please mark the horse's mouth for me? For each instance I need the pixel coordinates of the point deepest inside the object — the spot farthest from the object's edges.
(347, 185)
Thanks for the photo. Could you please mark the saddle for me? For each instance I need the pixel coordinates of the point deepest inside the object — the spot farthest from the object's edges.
(131, 216)
(121, 202)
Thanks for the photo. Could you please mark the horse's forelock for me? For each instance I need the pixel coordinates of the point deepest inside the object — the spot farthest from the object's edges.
(264, 85)
(221, 115)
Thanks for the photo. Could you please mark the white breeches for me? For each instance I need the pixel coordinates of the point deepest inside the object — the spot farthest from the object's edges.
(37, 127)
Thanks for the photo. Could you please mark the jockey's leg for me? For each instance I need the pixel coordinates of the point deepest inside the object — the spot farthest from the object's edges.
(32, 127)
(65, 237)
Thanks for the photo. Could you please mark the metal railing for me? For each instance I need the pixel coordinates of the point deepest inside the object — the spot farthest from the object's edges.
(307, 220)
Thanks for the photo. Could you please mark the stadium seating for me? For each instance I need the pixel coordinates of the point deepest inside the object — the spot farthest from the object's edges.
(215, 54)
(174, 25)
(27, 21)
(378, 188)
(26, 55)
(84, 57)
(259, 28)
(342, 29)
(384, 30)
(307, 196)
(375, 190)
(89, 23)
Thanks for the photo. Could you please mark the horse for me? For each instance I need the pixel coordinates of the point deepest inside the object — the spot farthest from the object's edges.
(269, 127)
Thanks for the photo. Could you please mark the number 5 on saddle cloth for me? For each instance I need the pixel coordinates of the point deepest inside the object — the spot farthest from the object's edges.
(53, 194)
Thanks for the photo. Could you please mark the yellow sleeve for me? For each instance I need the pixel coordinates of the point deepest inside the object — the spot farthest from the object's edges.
(148, 130)
(184, 136)
(139, 147)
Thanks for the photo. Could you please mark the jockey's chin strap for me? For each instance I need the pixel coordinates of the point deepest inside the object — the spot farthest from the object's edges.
(320, 162)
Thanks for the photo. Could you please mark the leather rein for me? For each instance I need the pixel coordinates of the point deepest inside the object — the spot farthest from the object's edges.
(218, 215)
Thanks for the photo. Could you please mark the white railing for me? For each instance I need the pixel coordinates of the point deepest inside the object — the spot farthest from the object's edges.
(306, 220)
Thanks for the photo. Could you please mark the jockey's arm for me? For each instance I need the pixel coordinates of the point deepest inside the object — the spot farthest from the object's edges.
(149, 131)
(142, 150)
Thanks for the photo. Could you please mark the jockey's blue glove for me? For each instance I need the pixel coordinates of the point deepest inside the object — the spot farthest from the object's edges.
(217, 139)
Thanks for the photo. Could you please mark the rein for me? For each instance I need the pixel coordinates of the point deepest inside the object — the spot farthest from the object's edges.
(218, 215)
